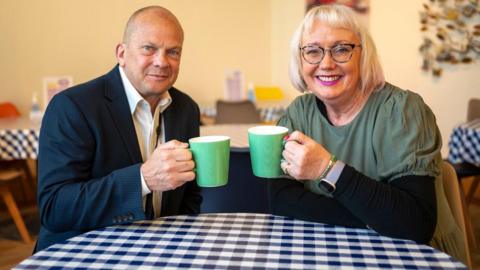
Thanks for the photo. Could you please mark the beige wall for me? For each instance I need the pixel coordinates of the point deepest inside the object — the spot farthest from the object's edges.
(58, 37)
(286, 15)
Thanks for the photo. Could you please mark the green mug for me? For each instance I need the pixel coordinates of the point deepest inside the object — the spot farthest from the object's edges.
(266, 146)
(211, 155)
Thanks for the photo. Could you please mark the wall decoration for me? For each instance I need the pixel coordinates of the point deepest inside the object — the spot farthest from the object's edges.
(451, 34)
(360, 6)
(54, 85)
(234, 85)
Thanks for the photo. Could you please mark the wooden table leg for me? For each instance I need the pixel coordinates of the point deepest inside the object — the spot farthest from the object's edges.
(468, 223)
(17, 217)
(31, 182)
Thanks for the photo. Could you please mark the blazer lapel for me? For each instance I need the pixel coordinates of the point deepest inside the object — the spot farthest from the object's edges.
(117, 104)
(170, 133)
(173, 129)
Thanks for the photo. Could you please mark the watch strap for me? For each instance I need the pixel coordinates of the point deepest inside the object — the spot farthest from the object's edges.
(334, 173)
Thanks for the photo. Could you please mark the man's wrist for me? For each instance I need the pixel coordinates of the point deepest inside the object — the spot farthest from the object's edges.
(145, 189)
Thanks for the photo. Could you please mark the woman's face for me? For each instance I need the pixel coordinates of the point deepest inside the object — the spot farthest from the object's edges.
(330, 81)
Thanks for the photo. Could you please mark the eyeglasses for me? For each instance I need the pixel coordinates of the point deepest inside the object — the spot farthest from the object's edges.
(340, 53)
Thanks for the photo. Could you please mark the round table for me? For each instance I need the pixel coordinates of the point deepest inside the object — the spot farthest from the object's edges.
(237, 241)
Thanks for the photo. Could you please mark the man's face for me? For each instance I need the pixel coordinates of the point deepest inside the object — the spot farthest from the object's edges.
(151, 54)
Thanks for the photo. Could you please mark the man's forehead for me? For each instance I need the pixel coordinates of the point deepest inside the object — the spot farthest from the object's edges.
(153, 38)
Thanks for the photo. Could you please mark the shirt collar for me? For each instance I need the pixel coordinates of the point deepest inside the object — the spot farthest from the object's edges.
(134, 97)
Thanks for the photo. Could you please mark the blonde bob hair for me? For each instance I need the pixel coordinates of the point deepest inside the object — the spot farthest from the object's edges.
(371, 73)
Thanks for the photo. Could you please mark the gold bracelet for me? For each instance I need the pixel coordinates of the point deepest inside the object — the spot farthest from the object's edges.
(331, 162)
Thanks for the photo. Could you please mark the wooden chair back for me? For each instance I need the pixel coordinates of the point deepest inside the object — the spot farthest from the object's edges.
(241, 112)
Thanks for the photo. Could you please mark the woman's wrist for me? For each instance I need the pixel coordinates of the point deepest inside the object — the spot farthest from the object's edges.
(329, 177)
(327, 169)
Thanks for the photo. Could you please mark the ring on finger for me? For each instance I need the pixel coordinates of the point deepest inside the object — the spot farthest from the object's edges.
(285, 168)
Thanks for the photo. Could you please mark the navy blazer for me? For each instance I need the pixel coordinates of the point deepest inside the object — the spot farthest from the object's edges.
(89, 160)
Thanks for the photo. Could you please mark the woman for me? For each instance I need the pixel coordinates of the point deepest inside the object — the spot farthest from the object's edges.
(365, 153)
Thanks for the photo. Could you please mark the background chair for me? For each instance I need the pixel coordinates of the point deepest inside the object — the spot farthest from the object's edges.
(452, 192)
(473, 109)
(8, 176)
(465, 170)
(9, 110)
(239, 112)
(12, 171)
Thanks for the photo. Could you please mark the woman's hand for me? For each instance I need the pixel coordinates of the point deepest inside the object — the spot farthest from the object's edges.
(304, 158)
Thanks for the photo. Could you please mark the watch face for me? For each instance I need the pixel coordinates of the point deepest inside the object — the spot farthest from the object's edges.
(326, 186)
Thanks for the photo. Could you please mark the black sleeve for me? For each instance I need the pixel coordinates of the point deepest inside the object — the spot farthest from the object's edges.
(404, 208)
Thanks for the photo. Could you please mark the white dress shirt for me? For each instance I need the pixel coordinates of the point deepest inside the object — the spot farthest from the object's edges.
(145, 127)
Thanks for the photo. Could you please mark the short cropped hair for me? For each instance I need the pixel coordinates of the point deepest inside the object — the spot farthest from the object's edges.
(371, 73)
(161, 11)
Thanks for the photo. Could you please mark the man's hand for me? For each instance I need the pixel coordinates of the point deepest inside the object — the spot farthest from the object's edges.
(170, 166)
(304, 158)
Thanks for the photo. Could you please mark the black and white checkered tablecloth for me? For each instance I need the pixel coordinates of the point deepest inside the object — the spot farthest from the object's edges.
(236, 241)
(464, 144)
(18, 144)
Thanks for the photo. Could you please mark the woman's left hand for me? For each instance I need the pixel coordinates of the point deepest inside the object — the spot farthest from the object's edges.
(304, 158)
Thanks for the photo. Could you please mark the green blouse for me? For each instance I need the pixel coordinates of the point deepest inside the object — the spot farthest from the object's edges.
(394, 134)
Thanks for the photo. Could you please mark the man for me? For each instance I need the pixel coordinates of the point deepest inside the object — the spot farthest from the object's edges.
(95, 136)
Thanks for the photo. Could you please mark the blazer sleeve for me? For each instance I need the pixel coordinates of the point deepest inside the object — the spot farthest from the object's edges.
(69, 197)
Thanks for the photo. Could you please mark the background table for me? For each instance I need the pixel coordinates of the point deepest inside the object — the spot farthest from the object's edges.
(18, 138)
(464, 144)
(19, 142)
(237, 241)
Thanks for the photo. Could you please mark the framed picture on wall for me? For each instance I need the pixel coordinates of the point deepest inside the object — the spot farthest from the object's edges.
(53, 85)
(360, 6)
(234, 85)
